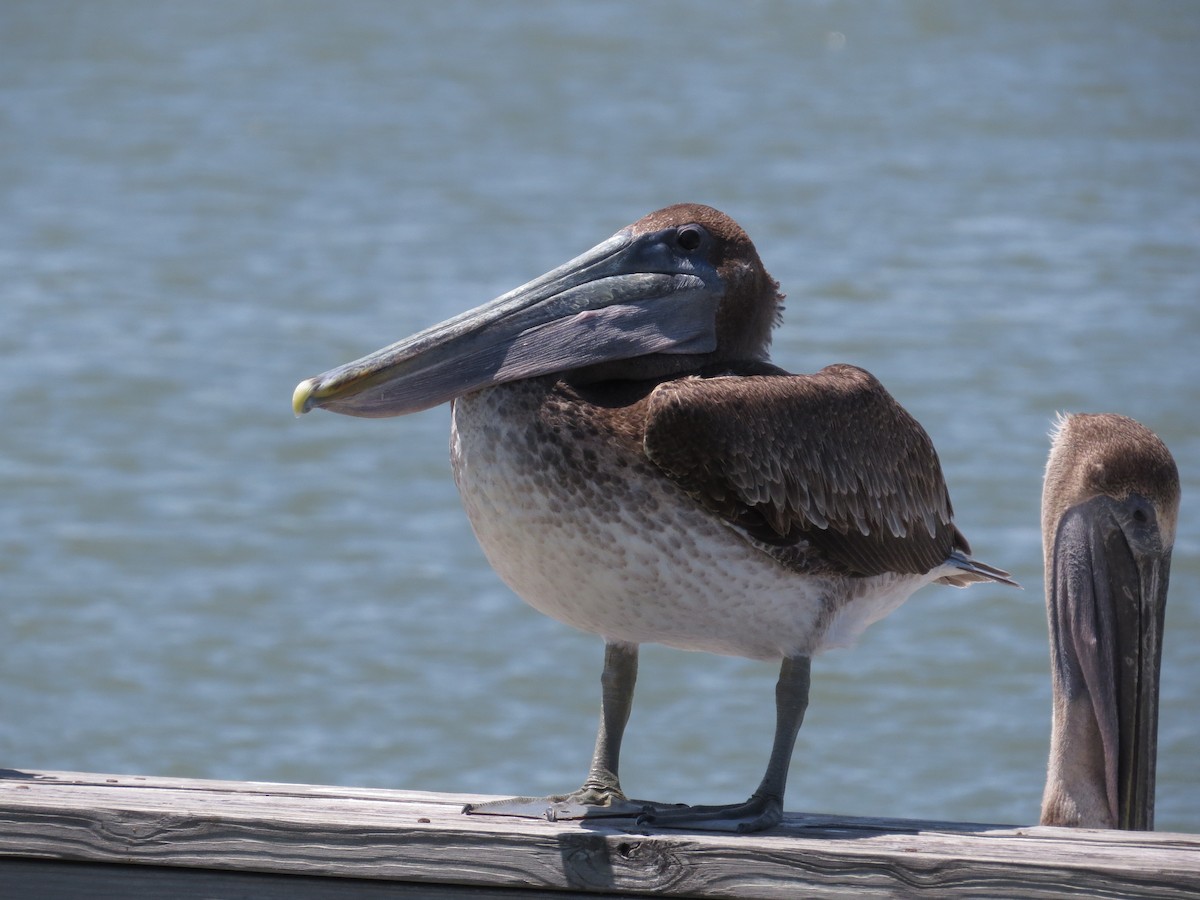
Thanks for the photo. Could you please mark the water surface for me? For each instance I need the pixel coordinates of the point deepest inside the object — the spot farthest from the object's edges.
(996, 209)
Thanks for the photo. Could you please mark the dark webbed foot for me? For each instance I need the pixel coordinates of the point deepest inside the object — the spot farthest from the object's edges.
(758, 813)
(586, 803)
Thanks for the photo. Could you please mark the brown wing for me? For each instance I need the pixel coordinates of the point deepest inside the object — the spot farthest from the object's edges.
(829, 463)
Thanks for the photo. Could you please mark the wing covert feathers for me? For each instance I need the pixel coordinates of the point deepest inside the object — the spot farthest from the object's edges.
(829, 462)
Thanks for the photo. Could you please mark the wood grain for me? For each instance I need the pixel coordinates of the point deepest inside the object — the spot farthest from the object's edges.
(152, 833)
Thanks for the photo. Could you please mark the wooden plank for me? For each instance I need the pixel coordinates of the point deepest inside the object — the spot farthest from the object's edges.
(220, 829)
(42, 880)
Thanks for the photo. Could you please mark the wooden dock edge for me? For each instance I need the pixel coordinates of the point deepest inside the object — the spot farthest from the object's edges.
(67, 834)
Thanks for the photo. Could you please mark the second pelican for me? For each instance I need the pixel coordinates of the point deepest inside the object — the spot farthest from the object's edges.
(1109, 507)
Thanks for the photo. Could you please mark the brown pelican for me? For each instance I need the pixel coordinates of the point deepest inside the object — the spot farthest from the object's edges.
(633, 466)
(1109, 506)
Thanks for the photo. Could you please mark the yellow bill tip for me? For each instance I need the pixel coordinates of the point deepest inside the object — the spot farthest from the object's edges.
(301, 397)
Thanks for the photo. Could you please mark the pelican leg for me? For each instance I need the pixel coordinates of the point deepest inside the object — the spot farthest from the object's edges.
(601, 793)
(764, 809)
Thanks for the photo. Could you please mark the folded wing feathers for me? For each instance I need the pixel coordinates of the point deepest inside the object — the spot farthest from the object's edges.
(829, 452)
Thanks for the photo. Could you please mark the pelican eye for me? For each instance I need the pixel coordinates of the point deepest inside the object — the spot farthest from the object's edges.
(689, 237)
(1141, 511)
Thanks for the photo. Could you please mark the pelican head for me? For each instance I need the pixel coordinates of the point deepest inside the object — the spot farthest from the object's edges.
(680, 287)
(1109, 507)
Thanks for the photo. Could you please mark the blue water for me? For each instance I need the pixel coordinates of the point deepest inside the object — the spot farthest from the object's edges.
(994, 208)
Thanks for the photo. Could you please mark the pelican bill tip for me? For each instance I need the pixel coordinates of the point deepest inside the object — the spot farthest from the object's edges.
(302, 397)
